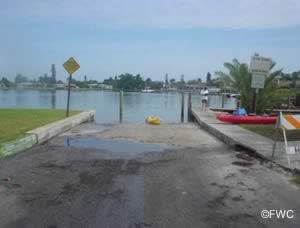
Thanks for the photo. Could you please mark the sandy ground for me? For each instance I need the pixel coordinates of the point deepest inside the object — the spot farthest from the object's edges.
(88, 177)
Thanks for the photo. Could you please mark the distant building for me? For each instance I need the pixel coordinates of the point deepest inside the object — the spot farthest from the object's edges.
(53, 73)
(166, 84)
(182, 78)
(93, 85)
(61, 85)
(208, 78)
(195, 87)
(170, 89)
(100, 86)
(27, 85)
(214, 90)
(105, 86)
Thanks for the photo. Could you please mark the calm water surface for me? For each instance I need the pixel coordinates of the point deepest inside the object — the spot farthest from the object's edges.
(137, 106)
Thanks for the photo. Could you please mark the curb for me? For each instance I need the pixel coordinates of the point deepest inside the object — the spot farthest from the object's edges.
(221, 136)
(48, 131)
(44, 133)
(17, 145)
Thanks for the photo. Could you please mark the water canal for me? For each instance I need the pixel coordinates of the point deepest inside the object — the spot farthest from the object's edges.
(137, 106)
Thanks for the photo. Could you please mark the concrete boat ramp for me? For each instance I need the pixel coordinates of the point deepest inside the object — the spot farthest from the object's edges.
(139, 176)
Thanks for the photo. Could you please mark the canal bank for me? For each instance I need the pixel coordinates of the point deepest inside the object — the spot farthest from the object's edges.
(234, 135)
(136, 106)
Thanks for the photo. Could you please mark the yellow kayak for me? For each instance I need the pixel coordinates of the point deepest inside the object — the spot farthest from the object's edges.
(153, 120)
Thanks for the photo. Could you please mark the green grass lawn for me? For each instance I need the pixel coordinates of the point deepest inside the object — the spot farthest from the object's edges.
(269, 131)
(295, 179)
(15, 122)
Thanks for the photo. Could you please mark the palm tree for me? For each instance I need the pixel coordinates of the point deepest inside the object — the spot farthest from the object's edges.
(239, 79)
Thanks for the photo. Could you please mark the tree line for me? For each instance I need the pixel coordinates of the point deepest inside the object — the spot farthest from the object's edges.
(130, 82)
(44, 80)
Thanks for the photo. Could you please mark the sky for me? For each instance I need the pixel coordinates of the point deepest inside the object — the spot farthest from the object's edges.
(149, 37)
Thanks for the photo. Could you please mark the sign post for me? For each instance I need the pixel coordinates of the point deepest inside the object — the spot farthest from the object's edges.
(260, 68)
(71, 66)
(287, 122)
(69, 94)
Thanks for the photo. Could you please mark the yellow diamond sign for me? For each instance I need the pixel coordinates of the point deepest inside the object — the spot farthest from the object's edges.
(71, 65)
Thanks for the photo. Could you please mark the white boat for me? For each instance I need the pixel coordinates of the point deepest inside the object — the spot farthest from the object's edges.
(147, 90)
(235, 95)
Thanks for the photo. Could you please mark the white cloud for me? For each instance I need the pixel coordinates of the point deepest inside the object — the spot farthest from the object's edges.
(161, 13)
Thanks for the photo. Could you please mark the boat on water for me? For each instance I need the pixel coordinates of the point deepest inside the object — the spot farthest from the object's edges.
(235, 95)
(231, 95)
(148, 90)
(237, 119)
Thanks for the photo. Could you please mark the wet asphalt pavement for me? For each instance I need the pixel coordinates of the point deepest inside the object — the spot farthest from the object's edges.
(110, 178)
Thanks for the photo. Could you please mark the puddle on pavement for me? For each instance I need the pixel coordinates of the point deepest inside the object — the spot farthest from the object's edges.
(295, 179)
(122, 146)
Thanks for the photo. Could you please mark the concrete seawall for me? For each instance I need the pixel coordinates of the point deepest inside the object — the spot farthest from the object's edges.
(47, 132)
(44, 133)
(17, 145)
(234, 135)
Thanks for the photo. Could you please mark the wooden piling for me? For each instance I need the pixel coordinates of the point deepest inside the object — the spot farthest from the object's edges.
(223, 100)
(182, 107)
(190, 117)
(121, 106)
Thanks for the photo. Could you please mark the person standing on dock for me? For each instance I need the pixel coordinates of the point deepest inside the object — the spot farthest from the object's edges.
(204, 100)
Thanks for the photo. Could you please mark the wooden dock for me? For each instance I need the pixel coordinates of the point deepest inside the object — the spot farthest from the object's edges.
(296, 111)
(234, 135)
(216, 109)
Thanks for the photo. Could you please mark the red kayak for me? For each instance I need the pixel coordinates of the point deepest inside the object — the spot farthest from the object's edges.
(247, 119)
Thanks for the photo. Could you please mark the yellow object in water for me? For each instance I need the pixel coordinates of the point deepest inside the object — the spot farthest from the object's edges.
(153, 120)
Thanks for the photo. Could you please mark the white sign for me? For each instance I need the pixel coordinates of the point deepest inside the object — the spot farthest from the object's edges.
(293, 150)
(260, 65)
(258, 81)
(260, 68)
